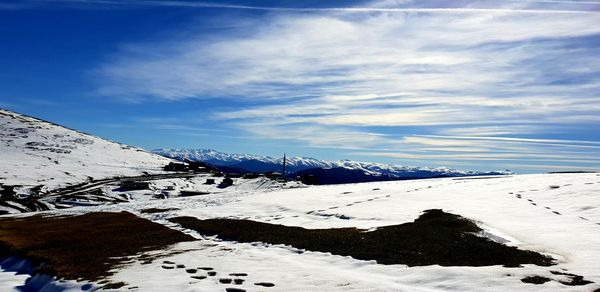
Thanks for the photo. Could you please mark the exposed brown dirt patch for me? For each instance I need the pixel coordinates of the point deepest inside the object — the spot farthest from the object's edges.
(435, 237)
(86, 246)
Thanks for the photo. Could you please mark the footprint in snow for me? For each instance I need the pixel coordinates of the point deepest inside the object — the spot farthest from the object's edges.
(238, 281)
(205, 268)
(264, 284)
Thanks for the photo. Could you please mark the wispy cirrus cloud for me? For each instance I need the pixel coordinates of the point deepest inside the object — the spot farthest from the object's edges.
(370, 78)
(379, 6)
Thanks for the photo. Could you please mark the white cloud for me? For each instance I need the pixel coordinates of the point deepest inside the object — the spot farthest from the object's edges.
(325, 78)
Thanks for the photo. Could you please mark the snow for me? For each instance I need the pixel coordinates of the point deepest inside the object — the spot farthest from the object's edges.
(573, 237)
(35, 152)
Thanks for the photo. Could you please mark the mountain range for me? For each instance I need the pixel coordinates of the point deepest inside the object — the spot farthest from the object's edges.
(340, 171)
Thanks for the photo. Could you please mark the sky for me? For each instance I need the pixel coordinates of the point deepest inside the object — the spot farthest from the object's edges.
(477, 85)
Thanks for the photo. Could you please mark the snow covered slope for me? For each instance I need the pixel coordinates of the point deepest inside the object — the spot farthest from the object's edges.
(34, 152)
(554, 214)
(261, 163)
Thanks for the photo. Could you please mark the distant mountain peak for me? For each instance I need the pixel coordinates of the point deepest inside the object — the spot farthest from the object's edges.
(260, 163)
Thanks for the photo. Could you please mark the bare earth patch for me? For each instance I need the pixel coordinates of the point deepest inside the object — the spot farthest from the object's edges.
(88, 246)
(434, 238)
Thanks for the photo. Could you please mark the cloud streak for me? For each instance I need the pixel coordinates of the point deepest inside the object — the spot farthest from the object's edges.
(486, 83)
(189, 4)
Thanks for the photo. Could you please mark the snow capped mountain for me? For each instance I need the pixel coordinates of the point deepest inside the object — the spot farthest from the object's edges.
(37, 153)
(259, 163)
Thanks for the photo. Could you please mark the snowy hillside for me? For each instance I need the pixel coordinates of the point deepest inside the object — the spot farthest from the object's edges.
(553, 214)
(294, 164)
(38, 153)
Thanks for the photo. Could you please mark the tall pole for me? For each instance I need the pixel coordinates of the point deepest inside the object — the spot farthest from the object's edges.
(283, 167)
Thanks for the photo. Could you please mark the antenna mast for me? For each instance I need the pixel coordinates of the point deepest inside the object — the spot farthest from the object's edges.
(283, 167)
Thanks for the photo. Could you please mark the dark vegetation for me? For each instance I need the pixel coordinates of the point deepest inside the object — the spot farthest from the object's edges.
(574, 280)
(434, 238)
(87, 246)
(537, 280)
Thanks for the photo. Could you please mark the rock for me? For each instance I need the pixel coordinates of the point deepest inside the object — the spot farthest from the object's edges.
(225, 280)
(180, 266)
(198, 277)
(167, 267)
(212, 273)
(234, 290)
(537, 280)
(191, 271)
(238, 274)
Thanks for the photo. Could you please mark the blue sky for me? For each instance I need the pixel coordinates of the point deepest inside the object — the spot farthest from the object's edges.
(483, 85)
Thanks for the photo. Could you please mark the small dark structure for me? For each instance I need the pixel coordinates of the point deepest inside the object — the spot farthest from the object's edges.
(251, 175)
(132, 185)
(197, 166)
(176, 166)
(234, 175)
(309, 179)
(210, 181)
(226, 183)
(273, 175)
